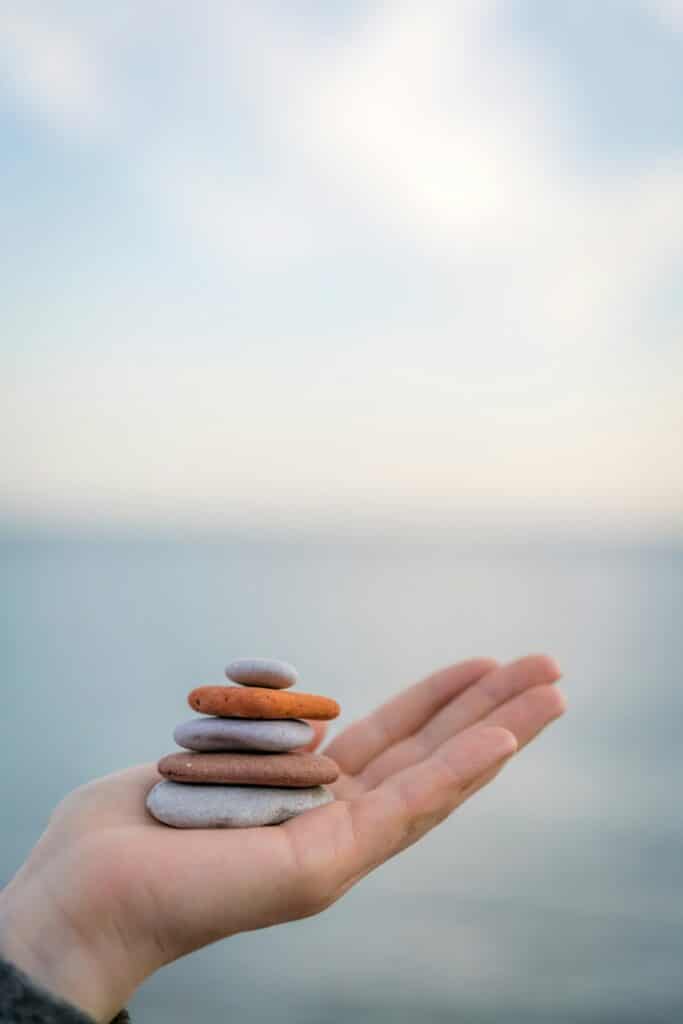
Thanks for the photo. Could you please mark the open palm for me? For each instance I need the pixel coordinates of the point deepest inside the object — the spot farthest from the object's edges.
(131, 894)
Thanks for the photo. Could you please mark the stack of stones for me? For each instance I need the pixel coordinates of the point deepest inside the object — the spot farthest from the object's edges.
(244, 764)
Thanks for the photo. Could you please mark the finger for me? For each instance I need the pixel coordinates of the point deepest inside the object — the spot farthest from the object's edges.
(525, 716)
(320, 729)
(472, 705)
(309, 861)
(530, 713)
(407, 805)
(121, 793)
(336, 845)
(404, 714)
(117, 799)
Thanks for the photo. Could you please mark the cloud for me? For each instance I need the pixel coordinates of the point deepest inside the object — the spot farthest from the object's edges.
(422, 133)
(430, 119)
(51, 68)
(669, 11)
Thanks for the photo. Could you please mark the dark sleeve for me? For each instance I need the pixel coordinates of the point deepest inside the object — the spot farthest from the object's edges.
(22, 1001)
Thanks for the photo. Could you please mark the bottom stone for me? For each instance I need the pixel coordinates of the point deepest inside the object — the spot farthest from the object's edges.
(199, 806)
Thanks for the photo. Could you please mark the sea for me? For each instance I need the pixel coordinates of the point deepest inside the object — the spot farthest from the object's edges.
(553, 896)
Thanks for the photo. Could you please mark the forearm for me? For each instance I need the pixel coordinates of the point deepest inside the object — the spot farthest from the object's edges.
(46, 973)
(23, 1000)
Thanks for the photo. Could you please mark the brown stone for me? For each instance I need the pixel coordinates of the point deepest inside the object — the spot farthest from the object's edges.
(257, 702)
(295, 770)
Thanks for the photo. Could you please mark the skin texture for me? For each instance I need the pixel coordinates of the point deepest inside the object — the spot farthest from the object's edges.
(108, 895)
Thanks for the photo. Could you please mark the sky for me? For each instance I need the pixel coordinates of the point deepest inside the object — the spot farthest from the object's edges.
(282, 265)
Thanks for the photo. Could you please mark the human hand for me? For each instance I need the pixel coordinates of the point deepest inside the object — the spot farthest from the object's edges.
(108, 895)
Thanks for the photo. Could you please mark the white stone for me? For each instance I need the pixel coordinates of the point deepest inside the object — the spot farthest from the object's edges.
(262, 672)
(198, 806)
(274, 735)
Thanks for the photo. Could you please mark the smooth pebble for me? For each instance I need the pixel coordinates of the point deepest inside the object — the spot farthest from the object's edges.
(262, 672)
(272, 736)
(260, 702)
(184, 806)
(300, 770)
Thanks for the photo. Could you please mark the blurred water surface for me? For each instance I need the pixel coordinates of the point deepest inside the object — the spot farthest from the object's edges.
(556, 894)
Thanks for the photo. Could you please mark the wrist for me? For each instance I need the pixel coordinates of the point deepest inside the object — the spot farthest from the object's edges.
(37, 937)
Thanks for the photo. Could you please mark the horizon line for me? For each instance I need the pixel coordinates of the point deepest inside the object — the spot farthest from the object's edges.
(543, 532)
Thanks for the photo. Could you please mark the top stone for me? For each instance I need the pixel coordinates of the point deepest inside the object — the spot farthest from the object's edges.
(276, 675)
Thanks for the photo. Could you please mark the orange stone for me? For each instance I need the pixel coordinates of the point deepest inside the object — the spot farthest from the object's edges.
(296, 770)
(258, 702)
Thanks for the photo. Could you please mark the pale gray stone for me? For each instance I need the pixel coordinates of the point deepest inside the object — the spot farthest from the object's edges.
(198, 806)
(277, 675)
(273, 736)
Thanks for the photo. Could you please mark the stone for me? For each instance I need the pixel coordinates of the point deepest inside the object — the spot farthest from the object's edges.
(300, 771)
(277, 675)
(253, 702)
(182, 806)
(273, 736)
